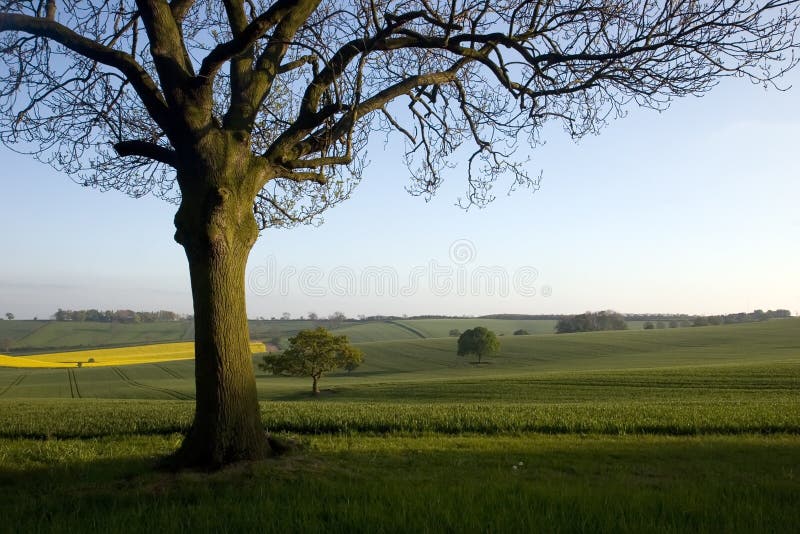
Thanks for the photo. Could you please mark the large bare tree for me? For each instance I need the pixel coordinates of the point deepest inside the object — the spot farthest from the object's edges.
(252, 114)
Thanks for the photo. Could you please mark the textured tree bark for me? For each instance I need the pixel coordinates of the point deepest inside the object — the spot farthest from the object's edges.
(216, 227)
(227, 425)
(315, 385)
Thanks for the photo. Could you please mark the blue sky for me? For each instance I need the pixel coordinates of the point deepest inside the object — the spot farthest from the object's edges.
(691, 210)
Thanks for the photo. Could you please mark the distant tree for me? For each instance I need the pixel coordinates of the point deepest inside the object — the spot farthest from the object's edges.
(10, 316)
(478, 341)
(700, 321)
(521, 332)
(649, 325)
(286, 316)
(313, 316)
(673, 324)
(661, 324)
(455, 332)
(591, 322)
(312, 353)
(336, 319)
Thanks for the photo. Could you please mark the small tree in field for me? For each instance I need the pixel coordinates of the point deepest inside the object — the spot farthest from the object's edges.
(478, 341)
(312, 353)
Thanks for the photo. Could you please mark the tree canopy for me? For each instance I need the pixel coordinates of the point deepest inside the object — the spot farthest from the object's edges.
(591, 322)
(114, 93)
(478, 341)
(312, 353)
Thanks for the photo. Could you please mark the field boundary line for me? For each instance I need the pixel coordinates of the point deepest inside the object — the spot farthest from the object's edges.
(17, 381)
(128, 380)
(29, 334)
(408, 328)
(170, 372)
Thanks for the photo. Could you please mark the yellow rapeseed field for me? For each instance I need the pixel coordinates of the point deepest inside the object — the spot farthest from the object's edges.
(162, 352)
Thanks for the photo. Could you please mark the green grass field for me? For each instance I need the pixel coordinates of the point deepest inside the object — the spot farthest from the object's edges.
(31, 337)
(39, 336)
(694, 429)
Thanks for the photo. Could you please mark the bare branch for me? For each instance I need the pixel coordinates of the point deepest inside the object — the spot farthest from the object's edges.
(249, 35)
(145, 87)
(147, 149)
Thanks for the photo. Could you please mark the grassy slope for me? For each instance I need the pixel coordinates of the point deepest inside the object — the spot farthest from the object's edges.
(416, 366)
(442, 327)
(672, 393)
(56, 335)
(33, 336)
(43, 336)
(16, 330)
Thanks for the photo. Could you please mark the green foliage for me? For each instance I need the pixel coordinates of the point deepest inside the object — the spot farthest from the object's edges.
(521, 332)
(454, 332)
(312, 353)
(478, 341)
(591, 322)
(648, 325)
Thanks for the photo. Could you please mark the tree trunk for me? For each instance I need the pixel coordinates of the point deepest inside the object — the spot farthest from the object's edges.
(315, 385)
(216, 227)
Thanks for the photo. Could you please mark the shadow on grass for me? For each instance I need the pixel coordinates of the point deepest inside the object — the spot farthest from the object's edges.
(401, 484)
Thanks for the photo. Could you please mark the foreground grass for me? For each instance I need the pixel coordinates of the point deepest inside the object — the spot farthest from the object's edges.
(693, 431)
(412, 484)
(89, 419)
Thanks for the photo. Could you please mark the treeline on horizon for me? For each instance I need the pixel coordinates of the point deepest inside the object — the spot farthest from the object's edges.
(118, 316)
(741, 317)
(604, 320)
(611, 320)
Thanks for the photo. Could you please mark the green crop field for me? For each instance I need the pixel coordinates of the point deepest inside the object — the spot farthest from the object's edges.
(442, 327)
(692, 429)
(42, 336)
(29, 337)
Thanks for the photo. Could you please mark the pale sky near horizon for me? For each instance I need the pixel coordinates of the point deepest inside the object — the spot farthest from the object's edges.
(692, 210)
